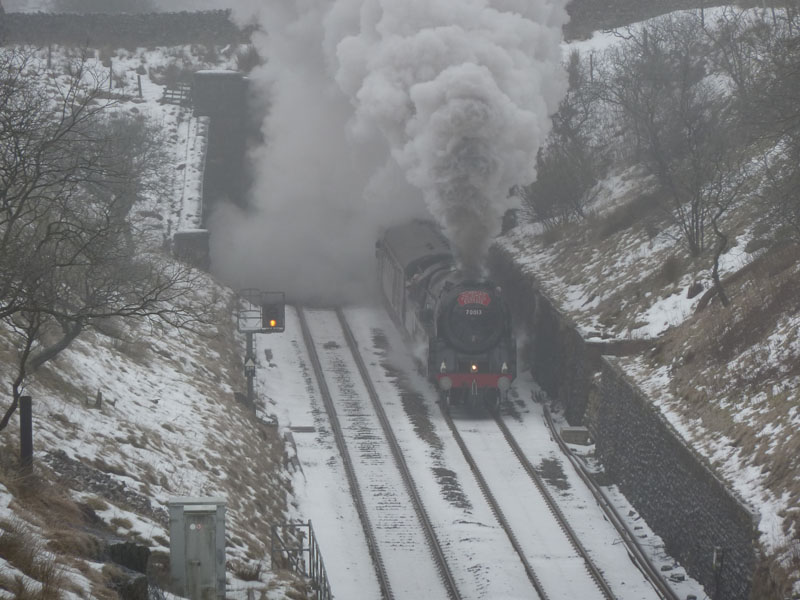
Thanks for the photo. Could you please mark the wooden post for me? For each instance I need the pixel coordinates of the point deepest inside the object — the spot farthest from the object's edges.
(26, 434)
(139, 83)
(250, 354)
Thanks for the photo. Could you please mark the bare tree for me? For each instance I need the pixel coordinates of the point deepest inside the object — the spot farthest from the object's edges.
(68, 254)
(678, 118)
(567, 167)
(774, 115)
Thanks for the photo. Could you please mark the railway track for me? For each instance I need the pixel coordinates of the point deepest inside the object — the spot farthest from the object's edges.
(635, 551)
(395, 522)
(561, 570)
(552, 557)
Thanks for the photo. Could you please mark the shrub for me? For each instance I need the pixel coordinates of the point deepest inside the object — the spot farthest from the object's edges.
(248, 59)
(671, 270)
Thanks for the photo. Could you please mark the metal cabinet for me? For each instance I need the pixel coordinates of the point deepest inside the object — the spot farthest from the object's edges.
(197, 547)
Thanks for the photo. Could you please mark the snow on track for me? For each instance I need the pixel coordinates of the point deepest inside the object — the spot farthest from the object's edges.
(322, 483)
(478, 551)
(597, 535)
(560, 568)
(404, 550)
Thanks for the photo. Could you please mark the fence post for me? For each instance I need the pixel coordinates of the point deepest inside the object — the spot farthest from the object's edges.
(26, 434)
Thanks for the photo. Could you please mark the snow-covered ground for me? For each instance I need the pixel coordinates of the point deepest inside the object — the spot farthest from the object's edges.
(461, 516)
(606, 287)
(167, 425)
(171, 405)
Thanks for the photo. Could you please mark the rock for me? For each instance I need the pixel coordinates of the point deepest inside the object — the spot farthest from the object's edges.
(134, 588)
(131, 556)
(694, 289)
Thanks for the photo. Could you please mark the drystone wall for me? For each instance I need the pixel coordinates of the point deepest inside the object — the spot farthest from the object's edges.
(561, 362)
(672, 488)
(122, 31)
(668, 483)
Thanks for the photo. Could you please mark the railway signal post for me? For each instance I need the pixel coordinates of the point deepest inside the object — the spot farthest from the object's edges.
(259, 312)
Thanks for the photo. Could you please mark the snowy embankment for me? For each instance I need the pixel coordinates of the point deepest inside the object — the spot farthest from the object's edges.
(167, 425)
(134, 413)
(724, 377)
(615, 289)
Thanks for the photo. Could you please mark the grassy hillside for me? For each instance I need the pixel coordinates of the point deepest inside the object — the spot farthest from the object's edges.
(706, 318)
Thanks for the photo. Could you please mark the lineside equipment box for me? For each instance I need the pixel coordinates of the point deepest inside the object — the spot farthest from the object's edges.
(197, 547)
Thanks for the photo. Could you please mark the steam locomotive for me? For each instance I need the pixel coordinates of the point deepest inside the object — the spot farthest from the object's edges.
(471, 349)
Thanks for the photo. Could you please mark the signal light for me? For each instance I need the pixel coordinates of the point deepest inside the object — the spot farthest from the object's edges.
(273, 316)
(474, 368)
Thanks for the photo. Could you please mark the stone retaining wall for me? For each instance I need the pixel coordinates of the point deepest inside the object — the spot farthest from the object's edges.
(672, 487)
(669, 484)
(561, 362)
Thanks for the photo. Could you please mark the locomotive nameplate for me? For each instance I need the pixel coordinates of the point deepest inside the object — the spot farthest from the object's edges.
(474, 297)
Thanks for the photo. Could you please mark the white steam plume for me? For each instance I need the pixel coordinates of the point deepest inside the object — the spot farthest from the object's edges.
(453, 94)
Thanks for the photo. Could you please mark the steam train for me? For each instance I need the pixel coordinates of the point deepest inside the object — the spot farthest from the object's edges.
(471, 349)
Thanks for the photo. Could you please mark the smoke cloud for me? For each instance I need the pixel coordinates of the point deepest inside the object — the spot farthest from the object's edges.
(383, 110)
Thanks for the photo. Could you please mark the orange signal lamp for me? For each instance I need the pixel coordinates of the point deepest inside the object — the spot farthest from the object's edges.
(272, 322)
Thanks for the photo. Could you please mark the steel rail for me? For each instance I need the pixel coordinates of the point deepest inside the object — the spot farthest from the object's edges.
(494, 505)
(573, 537)
(355, 491)
(635, 551)
(397, 453)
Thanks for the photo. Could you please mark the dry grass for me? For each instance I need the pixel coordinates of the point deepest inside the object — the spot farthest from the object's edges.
(121, 523)
(640, 210)
(247, 571)
(25, 551)
(249, 471)
(733, 370)
(101, 464)
(76, 543)
(741, 386)
(773, 578)
(56, 534)
(95, 503)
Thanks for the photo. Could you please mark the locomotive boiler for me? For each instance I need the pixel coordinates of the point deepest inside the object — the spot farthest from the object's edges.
(464, 324)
